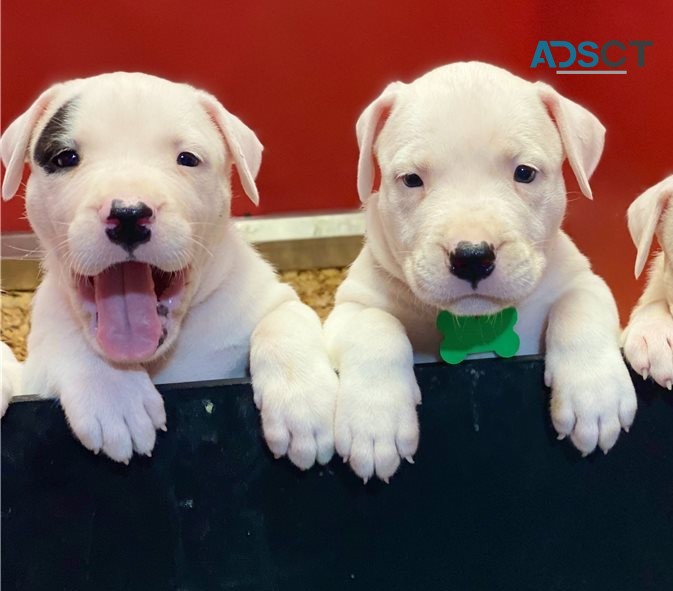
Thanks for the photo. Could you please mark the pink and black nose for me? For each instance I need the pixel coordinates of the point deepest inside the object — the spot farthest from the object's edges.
(472, 262)
(128, 225)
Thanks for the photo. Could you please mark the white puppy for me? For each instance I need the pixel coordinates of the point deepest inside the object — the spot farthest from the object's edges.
(467, 219)
(648, 337)
(146, 277)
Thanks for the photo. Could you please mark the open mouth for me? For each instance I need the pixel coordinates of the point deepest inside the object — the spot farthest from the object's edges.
(133, 302)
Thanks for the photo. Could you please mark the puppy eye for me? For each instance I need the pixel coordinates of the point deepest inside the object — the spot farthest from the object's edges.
(188, 159)
(412, 180)
(524, 174)
(66, 159)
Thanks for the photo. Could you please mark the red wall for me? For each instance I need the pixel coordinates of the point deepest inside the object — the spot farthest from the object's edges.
(300, 71)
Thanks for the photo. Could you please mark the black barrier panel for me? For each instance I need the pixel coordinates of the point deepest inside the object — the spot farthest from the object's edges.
(494, 502)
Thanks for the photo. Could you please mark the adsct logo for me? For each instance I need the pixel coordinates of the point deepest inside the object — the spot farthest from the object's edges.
(594, 58)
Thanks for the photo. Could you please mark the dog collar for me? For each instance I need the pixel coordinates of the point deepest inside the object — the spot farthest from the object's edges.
(464, 335)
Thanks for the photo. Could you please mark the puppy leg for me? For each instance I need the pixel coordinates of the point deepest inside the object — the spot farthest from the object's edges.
(592, 393)
(376, 420)
(11, 376)
(111, 409)
(116, 411)
(294, 385)
(648, 337)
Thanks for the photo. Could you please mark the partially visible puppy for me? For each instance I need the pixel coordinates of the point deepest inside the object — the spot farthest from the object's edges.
(147, 280)
(648, 337)
(467, 219)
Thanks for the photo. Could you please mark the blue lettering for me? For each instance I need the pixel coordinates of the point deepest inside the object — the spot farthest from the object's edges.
(581, 48)
(543, 55)
(571, 50)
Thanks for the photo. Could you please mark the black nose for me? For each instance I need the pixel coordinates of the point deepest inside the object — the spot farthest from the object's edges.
(472, 262)
(128, 224)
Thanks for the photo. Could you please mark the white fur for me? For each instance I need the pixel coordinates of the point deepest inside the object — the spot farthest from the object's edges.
(233, 311)
(648, 337)
(11, 376)
(463, 129)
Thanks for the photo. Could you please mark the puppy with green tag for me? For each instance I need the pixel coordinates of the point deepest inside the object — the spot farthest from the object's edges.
(467, 220)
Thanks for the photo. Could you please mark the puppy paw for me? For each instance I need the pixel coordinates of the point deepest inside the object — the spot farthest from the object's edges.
(648, 347)
(592, 400)
(7, 392)
(11, 376)
(376, 422)
(115, 416)
(297, 404)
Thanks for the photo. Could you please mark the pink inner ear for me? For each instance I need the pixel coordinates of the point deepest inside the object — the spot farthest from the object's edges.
(552, 102)
(22, 127)
(21, 190)
(233, 131)
(645, 215)
(367, 157)
(383, 117)
(237, 190)
(376, 180)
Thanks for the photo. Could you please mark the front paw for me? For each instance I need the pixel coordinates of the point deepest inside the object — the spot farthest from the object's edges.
(648, 348)
(376, 422)
(297, 404)
(8, 389)
(116, 415)
(11, 376)
(592, 400)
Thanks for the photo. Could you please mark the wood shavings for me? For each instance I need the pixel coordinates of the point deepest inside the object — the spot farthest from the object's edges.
(16, 320)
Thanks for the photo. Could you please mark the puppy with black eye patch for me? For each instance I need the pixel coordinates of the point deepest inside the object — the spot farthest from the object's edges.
(146, 278)
(467, 221)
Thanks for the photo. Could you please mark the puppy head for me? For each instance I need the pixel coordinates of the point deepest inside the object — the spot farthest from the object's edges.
(130, 183)
(471, 191)
(648, 215)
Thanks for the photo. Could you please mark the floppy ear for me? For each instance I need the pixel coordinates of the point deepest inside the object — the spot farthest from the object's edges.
(367, 129)
(582, 134)
(15, 140)
(644, 215)
(245, 148)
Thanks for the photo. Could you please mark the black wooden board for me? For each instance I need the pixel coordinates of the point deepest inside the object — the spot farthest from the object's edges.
(493, 501)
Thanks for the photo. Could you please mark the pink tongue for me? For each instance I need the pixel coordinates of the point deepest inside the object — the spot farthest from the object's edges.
(129, 328)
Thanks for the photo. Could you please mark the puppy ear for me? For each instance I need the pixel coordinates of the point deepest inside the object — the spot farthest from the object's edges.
(644, 215)
(15, 140)
(367, 129)
(245, 148)
(582, 134)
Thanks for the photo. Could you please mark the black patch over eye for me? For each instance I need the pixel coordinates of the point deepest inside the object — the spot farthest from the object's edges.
(66, 159)
(412, 180)
(524, 174)
(53, 150)
(188, 159)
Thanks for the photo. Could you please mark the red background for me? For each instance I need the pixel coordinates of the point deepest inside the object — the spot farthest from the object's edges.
(299, 72)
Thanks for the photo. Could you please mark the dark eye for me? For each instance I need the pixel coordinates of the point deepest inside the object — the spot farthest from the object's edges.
(66, 159)
(524, 174)
(412, 180)
(188, 159)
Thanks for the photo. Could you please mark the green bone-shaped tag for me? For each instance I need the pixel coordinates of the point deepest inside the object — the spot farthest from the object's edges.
(464, 335)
